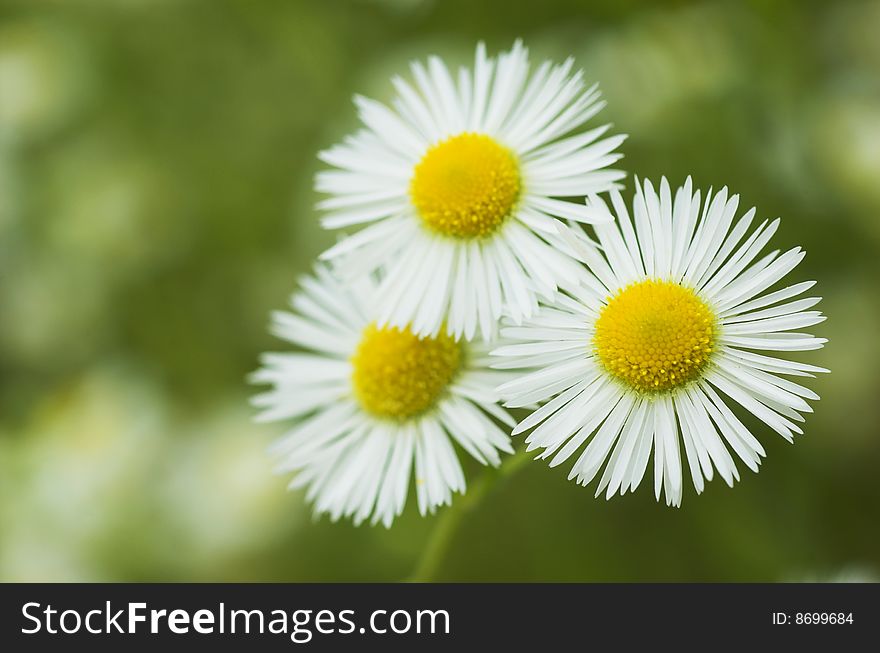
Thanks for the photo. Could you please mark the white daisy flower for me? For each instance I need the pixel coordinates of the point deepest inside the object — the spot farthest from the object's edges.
(461, 185)
(368, 403)
(671, 318)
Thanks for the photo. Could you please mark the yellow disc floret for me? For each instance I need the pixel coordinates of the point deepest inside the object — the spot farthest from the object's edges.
(655, 335)
(466, 186)
(398, 375)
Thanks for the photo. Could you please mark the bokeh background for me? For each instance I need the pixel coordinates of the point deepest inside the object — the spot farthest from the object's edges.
(156, 161)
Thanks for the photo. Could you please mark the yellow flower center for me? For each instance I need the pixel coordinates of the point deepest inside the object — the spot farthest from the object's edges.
(398, 375)
(655, 335)
(466, 186)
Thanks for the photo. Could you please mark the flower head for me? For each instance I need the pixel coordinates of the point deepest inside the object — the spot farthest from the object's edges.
(671, 317)
(367, 403)
(461, 185)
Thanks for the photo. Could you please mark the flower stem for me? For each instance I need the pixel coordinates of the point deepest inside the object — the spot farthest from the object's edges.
(451, 519)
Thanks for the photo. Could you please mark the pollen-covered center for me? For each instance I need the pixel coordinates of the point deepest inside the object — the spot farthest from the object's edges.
(466, 186)
(655, 335)
(399, 375)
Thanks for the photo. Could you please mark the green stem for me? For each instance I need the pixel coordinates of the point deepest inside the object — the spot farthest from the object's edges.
(451, 519)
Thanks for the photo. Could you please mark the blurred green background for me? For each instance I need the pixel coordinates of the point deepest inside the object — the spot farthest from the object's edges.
(156, 161)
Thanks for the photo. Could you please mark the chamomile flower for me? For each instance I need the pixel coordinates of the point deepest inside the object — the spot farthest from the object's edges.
(371, 407)
(461, 184)
(672, 321)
